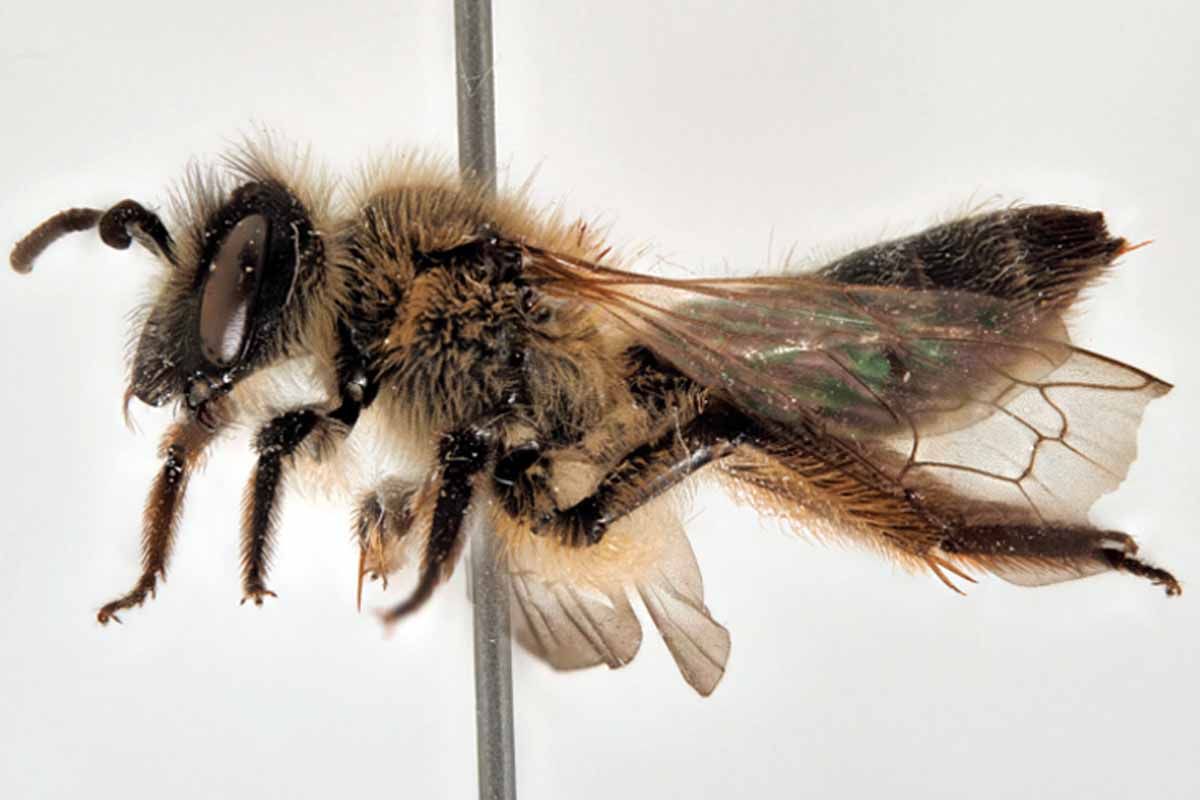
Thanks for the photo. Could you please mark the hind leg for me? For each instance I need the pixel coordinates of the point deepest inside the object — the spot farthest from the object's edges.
(1034, 555)
(819, 483)
(645, 472)
(830, 490)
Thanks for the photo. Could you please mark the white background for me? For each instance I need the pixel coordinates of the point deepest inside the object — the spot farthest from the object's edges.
(713, 133)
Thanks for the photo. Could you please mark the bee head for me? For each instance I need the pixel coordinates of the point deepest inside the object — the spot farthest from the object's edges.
(232, 297)
(229, 308)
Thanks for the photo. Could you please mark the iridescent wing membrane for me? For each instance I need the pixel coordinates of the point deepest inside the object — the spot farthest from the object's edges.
(943, 413)
(944, 391)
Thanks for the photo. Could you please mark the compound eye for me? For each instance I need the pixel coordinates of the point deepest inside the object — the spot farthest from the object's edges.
(228, 302)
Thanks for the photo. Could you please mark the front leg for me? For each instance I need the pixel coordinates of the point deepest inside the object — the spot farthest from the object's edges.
(182, 449)
(461, 457)
(276, 444)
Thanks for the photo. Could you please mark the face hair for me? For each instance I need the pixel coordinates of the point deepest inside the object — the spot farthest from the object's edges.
(570, 400)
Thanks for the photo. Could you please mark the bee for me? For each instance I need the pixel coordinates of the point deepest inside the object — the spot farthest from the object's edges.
(920, 396)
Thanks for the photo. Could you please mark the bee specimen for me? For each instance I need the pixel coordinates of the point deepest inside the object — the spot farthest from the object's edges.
(920, 396)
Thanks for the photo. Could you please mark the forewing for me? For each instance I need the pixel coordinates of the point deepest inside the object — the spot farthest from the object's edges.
(1044, 454)
(865, 360)
(950, 393)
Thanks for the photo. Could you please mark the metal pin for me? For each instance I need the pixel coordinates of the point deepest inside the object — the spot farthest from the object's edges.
(489, 584)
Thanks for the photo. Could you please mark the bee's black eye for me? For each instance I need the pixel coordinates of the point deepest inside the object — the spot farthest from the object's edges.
(229, 289)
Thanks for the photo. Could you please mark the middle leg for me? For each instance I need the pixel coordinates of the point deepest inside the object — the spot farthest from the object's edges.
(462, 456)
